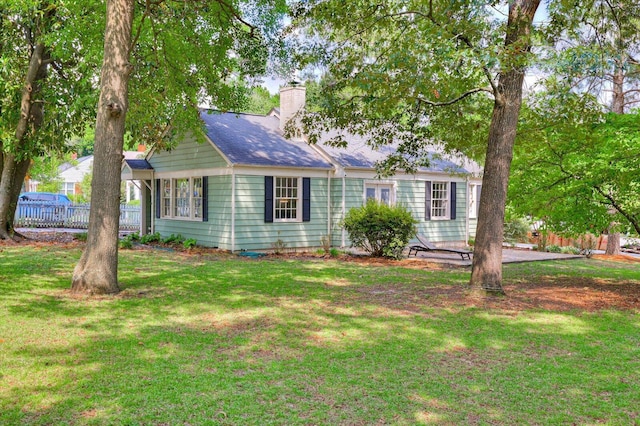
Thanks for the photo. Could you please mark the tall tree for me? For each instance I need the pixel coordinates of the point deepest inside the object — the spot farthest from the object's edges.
(97, 270)
(574, 173)
(594, 56)
(46, 89)
(261, 101)
(412, 73)
(176, 55)
(486, 272)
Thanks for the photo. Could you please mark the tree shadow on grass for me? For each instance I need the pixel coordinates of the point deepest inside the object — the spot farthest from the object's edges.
(297, 343)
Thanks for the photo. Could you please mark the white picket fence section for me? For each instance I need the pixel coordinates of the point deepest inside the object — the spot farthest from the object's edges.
(40, 214)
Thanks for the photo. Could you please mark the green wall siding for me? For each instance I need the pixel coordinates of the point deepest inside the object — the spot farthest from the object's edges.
(216, 232)
(252, 233)
(354, 190)
(441, 230)
(188, 155)
(410, 194)
(473, 226)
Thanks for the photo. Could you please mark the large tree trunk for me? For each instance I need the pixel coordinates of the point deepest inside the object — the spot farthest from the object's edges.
(14, 168)
(486, 275)
(613, 243)
(13, 174)
(617, 106)
(97, 270)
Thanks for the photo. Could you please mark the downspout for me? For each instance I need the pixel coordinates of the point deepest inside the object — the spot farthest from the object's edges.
(344, 208)
(329, 205)
(233, 210)
(466, 220)
(153, 203)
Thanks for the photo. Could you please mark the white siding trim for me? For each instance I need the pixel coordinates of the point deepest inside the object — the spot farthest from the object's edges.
(344, 210)
(233, 211)
(466, 214)
(369, 174)
(193, 172)
(328, 205)
(224, 157)
(280, 171)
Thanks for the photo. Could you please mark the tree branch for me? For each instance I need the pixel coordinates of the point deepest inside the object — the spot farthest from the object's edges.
(145, 15)
(631, 218)
(459, 98)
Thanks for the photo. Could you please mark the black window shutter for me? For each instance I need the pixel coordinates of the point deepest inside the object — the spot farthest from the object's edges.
(453, 201)
(205, 198)
(427, 200)
(158, 206)
(452, 216)
(478, 192)
(268, 198)
(306, 199)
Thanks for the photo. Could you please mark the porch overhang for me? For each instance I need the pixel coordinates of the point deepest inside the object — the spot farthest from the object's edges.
(136, 170)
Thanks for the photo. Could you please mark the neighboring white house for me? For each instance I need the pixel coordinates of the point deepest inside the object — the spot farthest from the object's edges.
(71, 175)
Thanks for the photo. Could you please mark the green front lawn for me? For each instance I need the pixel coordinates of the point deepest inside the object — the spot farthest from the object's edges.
(218, 340)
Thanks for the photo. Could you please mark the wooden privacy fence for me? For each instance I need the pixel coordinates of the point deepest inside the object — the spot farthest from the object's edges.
(42, 214)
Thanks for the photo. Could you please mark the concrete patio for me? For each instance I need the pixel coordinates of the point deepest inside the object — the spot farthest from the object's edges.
(509, 255)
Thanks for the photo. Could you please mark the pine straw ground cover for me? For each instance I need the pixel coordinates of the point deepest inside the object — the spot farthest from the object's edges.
(208, 338)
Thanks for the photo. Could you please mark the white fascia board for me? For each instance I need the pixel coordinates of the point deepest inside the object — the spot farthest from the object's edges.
(370, 174)
(253, 170)
(224, 157)
(218, 171)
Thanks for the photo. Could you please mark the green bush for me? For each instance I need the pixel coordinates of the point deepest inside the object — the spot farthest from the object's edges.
(171, 239)
(279, 246)
(516, 230)
(134, 236)
(150, 238)
(552, 248)
(570, 250)
(189, 243)
(379, 229)
(125, 244)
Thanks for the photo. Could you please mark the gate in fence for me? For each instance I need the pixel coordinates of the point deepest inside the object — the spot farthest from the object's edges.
(42, 214)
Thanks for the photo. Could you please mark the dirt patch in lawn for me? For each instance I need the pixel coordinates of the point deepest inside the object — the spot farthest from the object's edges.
(562, 293)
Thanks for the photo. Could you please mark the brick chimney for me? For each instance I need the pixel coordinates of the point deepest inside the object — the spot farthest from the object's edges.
(292, 100)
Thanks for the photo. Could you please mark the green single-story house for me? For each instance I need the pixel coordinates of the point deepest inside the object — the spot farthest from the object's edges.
(247, 187)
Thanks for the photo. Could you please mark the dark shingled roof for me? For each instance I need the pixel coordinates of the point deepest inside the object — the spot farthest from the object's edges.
(257, 140)
(358, 154)
(139, 164)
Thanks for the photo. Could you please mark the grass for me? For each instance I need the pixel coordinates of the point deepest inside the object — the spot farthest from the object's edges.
(197, 340)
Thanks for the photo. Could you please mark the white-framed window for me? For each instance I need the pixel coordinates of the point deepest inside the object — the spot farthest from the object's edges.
(287, 199)
(439, 200)
(382, 192)
(181, 198)
(196, 197)
(67, 188)
(165, 197)
(474, 200)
